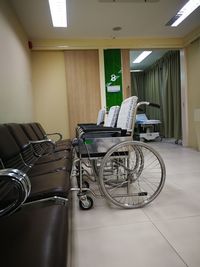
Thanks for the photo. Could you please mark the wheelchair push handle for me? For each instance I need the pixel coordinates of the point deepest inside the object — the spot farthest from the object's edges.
(154, 105)
(148, 104)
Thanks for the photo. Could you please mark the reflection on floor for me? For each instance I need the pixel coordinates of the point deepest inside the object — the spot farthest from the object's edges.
(165, 233)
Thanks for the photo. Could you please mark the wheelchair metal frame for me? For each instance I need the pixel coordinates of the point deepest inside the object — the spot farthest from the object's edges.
(129, 174)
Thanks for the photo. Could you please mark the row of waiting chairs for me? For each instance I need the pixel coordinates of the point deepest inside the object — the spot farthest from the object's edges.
(34, 197)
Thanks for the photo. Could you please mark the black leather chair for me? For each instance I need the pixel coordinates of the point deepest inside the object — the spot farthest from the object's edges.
(42, 150)
(31, 235)
(61, 144)
(46, 179)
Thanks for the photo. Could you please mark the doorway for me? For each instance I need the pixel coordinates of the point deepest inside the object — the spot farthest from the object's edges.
(157, 79)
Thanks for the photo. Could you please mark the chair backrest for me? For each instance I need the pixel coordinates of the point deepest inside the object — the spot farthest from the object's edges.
(8, 145)
(111, 119)
(101, 116)
(126, 113)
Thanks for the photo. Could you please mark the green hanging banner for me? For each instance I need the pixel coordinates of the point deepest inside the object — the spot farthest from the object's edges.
(113, 77)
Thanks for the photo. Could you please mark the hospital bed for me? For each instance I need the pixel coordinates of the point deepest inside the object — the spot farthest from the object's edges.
(147, 130)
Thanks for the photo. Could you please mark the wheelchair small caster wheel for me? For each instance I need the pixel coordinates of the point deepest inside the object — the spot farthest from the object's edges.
(86, 203)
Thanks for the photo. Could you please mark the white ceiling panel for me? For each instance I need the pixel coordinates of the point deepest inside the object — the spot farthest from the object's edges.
(95, 19)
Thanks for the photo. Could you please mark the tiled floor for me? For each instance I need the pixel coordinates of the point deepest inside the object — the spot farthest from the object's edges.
(165, 233)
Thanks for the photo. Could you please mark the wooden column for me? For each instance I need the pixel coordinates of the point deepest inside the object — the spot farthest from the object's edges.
(126, 77)
(83, 86)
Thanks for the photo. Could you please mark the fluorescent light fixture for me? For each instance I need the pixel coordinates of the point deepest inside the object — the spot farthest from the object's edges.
(58, 12)
(184, 12)
(136, 70)
(62, 46)
(142, 56)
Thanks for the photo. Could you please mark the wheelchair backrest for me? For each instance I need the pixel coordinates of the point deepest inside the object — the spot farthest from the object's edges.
(126, 113)
(111, 119)
(101, 116)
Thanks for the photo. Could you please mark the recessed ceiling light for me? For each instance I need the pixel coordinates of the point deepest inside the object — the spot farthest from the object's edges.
(142, 56)
(184, 12)
(58, 12)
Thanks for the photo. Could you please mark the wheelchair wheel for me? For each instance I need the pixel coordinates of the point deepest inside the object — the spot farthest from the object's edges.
(86, 203)
(132, 174)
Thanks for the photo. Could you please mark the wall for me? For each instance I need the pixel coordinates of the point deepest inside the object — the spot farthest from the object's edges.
(49, 91)
(15, 69)
(193, 76)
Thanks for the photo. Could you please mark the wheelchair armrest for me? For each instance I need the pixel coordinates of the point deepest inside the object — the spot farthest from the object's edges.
(101, 129)
(85, 124)
(109, 132)
(13, 181)
(147, 104)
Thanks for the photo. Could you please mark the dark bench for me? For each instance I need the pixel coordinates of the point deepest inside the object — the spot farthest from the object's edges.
(34, 197)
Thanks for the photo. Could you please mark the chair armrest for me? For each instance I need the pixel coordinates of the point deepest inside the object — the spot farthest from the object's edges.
(59, 136)
(48, 141)
(15, 187)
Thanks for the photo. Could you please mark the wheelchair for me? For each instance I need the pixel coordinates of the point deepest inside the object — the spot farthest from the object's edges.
(129, 174)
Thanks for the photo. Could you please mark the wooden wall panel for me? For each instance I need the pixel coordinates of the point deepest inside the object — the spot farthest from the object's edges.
(126, 77)
(83, 86)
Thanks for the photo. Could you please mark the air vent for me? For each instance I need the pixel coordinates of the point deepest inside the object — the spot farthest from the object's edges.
(129, 1)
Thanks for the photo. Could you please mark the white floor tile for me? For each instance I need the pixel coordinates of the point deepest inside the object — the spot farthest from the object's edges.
(105, 215)
(173, 202)
(137, 245)
(163, 234)
(184, 235)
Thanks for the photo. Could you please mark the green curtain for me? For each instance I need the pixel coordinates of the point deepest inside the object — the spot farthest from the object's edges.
(152, 92)
(161, 84)
(171, 95)
(137, 85)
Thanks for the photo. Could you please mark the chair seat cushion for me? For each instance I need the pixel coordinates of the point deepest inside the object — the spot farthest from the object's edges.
(34, 236)
(48, 185)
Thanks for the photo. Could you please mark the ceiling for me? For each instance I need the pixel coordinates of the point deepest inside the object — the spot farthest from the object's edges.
(96, 19)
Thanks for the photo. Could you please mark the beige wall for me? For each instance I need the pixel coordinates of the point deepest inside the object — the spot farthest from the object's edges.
(193, 76)
(49, 91)
(15, 69)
